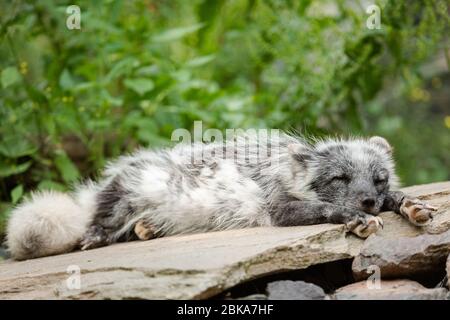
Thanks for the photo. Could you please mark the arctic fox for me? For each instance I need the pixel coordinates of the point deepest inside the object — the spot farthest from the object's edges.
(154, 193)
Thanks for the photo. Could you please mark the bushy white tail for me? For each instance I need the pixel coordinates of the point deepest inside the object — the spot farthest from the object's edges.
(48, 223)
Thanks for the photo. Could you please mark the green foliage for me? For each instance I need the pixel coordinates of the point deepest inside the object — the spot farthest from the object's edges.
(16, 194)
(72, 99)
(10, 75)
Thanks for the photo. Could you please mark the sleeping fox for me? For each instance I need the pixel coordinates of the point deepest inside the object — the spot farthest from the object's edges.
(157, 193)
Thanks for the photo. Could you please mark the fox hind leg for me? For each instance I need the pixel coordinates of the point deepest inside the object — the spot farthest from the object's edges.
(95, 237)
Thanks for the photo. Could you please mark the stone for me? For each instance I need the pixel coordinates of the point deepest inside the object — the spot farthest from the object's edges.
(183, 267)
(436, 194)
(203, 265)
(401, 249)
(403, 256)
(389, 290)
(294, 290)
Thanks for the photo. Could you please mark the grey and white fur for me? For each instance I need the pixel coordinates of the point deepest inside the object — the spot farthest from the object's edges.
(156, 193)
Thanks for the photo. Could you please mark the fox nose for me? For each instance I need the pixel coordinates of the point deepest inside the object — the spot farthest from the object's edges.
(368, 203)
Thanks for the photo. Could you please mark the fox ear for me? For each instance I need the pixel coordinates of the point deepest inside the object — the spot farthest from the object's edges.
(382, 143)
(300, 152)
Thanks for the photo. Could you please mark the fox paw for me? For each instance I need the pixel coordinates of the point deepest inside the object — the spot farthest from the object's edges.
(417, 212)
(144, 230)
(364, 226)
(95, 237)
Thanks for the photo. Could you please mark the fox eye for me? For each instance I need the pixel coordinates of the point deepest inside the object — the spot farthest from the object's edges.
(380, 180)
(342, 178)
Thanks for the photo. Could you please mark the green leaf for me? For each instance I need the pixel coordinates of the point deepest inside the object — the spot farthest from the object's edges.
(50, 124)
(5, 212)
(140, 85)
(200, 61)
(16, 193)
(10, 76)
(65, 80)
(84, 86)
(177, 33)
(114, 101)
(7, 170)
(50, 185)
(150, 138)
(16, 147)
(146, 123)
(121, 68)
(151, 70)
(68, 170)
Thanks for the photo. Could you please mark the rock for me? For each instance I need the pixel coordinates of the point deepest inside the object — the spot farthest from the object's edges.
(389, 290)
(183, 267)
(202, 265)
(403, 256)
(402, 249)
(294, 290)
(437, 194)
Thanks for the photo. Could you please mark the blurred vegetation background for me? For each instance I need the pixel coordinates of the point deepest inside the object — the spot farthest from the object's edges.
(72, 99)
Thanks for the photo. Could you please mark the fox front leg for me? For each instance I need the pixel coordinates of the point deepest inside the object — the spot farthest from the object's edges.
(299, 213)
(416, 211)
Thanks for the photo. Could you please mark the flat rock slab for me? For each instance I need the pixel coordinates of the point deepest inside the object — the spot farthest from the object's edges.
(184, 267)
(437, 194)
(389, 290)
(199, 266)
